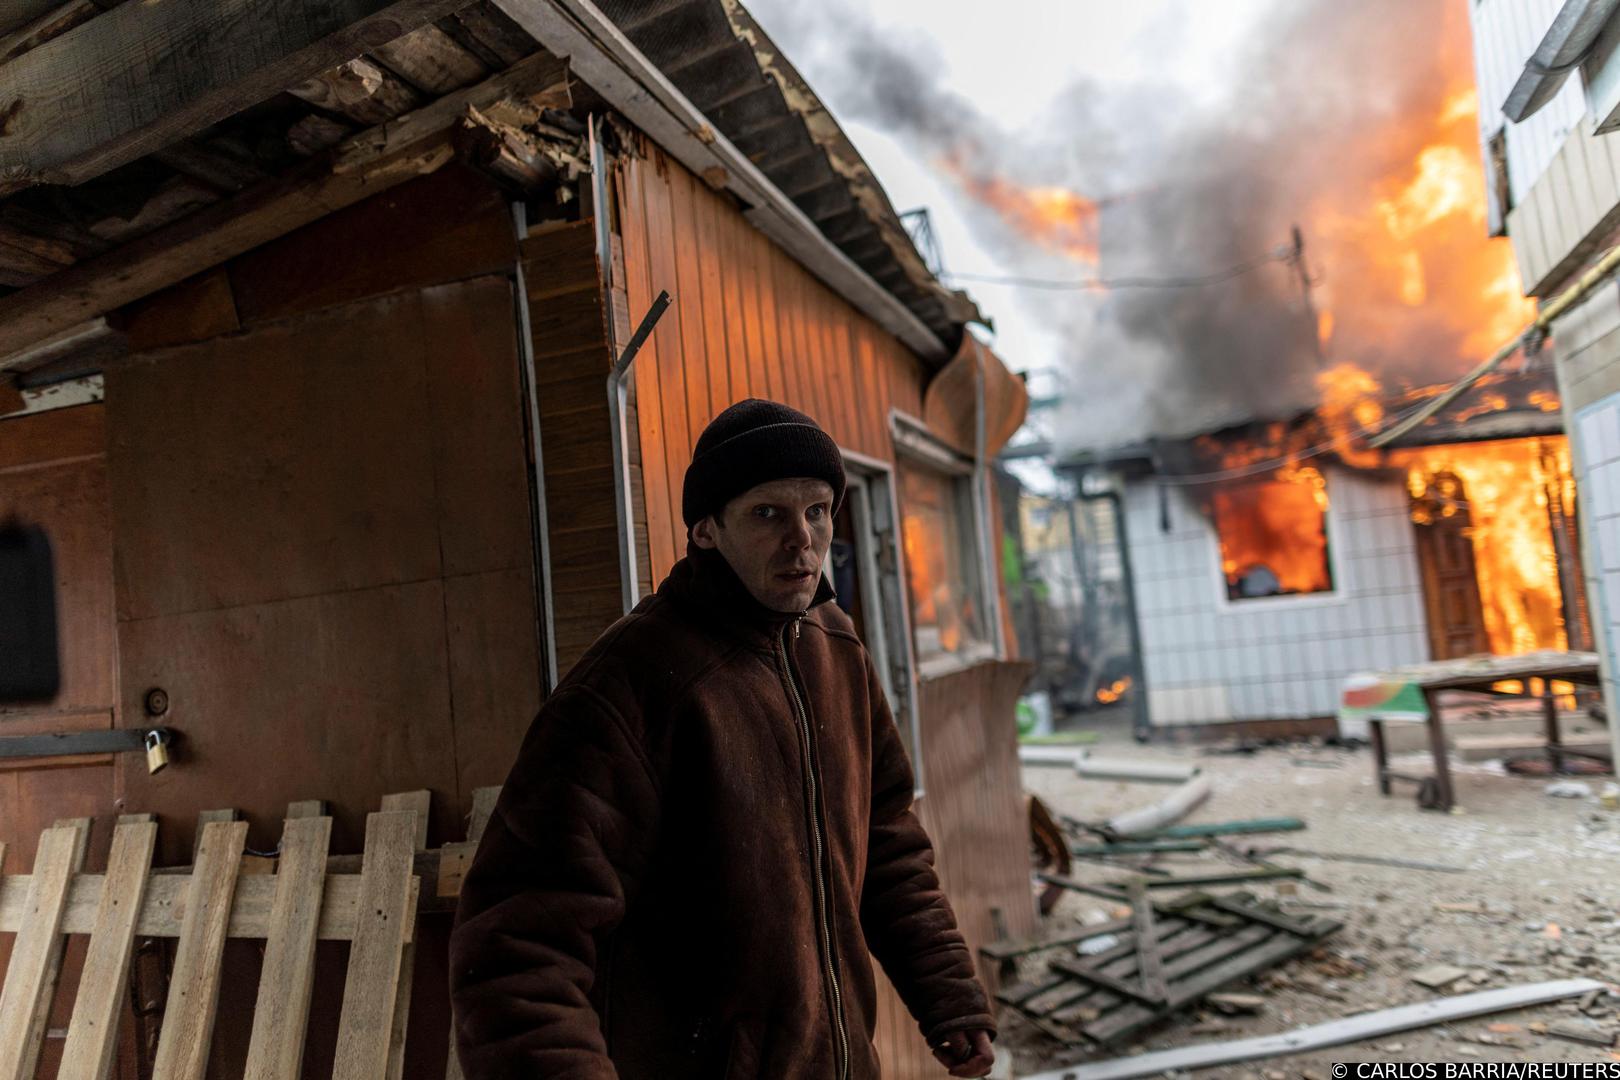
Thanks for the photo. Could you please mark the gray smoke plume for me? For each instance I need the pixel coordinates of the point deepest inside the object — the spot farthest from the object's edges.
(1326, 104)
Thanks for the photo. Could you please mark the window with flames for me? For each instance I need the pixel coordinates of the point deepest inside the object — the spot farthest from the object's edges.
(942, 566)
(1273, 536)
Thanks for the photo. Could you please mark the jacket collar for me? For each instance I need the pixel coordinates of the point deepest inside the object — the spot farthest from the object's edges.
(708, 590)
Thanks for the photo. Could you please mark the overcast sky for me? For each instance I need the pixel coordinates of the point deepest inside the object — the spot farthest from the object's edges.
(1015, 60)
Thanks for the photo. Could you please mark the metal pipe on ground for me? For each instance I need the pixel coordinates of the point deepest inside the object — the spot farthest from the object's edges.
(1172, 808)
(1151, 772)
(1320, 1036)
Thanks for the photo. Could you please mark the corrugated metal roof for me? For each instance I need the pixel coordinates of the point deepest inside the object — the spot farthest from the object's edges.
(716, 55)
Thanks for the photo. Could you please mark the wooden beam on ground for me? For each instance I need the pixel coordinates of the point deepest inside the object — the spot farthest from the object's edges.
(1147, 942)
(364, 165)
(140, 76)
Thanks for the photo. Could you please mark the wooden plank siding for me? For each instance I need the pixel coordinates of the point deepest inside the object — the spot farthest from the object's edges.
(749, 321)
(781, 334)
(571, 364)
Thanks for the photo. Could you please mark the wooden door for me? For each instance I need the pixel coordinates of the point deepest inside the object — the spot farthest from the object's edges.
(53, 473)
(1445, 549)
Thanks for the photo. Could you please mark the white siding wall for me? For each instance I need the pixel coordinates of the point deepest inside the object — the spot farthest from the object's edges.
(1209, 661)
(1506, 32)
(1597, 464)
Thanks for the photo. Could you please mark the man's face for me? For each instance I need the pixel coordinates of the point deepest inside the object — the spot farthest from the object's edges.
(775, 536)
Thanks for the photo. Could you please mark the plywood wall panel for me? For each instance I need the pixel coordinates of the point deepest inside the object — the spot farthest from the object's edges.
(469, 345)
(495, 681)
(245, 469)
(343, 696)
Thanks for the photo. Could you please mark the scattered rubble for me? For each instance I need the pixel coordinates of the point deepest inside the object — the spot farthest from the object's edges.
(1438, 976)
(1569, 789)
(1509, 864)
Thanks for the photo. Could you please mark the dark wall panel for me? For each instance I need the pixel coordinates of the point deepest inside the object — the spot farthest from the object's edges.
(324, 557)
(290, 461)
(343, 696)
(449, 225)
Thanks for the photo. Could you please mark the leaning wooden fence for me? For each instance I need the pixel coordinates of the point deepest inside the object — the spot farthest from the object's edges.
(289, 901)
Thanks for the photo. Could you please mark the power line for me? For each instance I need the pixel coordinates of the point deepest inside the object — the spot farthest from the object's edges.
(1182, 281)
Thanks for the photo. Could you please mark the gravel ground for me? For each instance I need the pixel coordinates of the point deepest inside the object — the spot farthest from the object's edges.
(1541, 873)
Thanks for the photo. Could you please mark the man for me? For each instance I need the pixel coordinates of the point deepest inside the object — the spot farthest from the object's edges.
(709, 824)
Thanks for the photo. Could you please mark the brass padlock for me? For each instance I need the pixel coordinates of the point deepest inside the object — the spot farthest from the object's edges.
(157, 750)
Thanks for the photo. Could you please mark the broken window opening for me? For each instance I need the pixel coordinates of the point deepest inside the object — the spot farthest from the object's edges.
(942, 563)
(1273, 536)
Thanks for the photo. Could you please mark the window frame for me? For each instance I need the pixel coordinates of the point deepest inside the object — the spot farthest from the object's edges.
(1333, 531)
(870, 495)
(914, 442)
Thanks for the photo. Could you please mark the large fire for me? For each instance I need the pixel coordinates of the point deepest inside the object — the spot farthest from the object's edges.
(1418, 241)
(1505, 489)
(1272, 536)
(1403, 289)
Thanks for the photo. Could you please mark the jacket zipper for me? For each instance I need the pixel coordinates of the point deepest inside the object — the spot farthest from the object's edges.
(828, 959)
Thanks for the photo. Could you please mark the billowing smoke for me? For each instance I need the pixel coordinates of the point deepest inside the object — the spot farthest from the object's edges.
(1352, 120)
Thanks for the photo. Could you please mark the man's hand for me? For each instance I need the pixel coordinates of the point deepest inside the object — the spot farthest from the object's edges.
(966, 1053)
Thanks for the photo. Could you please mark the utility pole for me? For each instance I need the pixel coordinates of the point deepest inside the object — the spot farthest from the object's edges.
(1296, 259)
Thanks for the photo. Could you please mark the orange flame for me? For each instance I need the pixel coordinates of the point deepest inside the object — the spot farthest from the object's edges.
(1275, 527)
(1053, 217)
(1350, 410)
(1504, 487)
(1107, 695)
(1418, 244)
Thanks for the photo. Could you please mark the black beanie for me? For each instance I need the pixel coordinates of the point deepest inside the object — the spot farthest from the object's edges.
(753, 442)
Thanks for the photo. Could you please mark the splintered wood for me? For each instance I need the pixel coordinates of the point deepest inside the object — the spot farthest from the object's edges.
(225, 894)
(1160, 960)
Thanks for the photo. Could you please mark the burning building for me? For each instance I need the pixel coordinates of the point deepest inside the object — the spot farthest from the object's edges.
(1271, 560)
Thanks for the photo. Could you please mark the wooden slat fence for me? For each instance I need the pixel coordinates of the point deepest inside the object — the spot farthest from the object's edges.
(202, 906)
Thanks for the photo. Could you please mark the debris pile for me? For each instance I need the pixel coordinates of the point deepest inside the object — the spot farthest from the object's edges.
(1240, 937)
(1107, 982)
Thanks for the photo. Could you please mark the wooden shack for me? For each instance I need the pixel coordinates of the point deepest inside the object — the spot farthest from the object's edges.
(305, 348)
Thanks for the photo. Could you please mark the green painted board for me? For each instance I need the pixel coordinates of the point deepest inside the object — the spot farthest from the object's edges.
(1253, 825)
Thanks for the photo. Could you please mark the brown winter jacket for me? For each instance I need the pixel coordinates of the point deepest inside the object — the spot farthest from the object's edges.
(707, 827)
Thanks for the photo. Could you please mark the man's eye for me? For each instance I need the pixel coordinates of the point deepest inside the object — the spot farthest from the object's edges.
(765, 511)
(815, 513)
